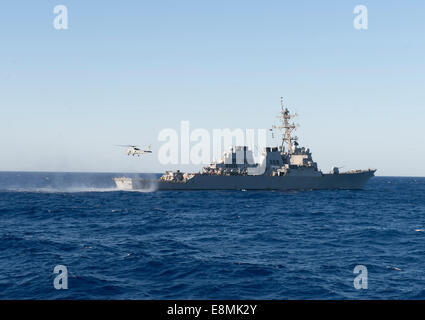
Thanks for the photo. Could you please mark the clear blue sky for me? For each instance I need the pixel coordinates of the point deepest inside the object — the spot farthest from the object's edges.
(125, 70)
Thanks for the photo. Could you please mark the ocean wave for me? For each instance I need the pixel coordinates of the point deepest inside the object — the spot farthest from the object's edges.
(210, 244)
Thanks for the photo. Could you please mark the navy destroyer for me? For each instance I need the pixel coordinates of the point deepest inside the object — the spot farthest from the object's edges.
(284, 167)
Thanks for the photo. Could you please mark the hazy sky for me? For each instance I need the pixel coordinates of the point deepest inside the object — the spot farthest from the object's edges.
(124, 70)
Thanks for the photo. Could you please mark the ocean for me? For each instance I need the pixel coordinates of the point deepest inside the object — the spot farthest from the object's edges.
(209, 244)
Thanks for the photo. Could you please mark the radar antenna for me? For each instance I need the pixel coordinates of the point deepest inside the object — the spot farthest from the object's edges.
(287, 138)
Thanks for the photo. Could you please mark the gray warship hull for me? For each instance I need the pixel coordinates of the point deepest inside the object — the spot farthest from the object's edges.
(347, 180)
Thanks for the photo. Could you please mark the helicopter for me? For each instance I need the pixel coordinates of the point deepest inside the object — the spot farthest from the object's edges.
(134, 150)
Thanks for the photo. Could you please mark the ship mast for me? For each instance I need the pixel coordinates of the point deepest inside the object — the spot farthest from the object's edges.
(284, 117)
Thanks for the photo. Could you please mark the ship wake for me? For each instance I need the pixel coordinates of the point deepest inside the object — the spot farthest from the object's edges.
(60, 190)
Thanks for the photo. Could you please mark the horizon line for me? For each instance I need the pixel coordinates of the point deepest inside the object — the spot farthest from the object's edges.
(122, 172)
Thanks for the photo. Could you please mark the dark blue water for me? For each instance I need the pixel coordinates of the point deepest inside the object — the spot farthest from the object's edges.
(208, 245)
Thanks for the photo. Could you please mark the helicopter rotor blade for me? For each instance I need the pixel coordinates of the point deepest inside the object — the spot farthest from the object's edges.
(126, 145)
